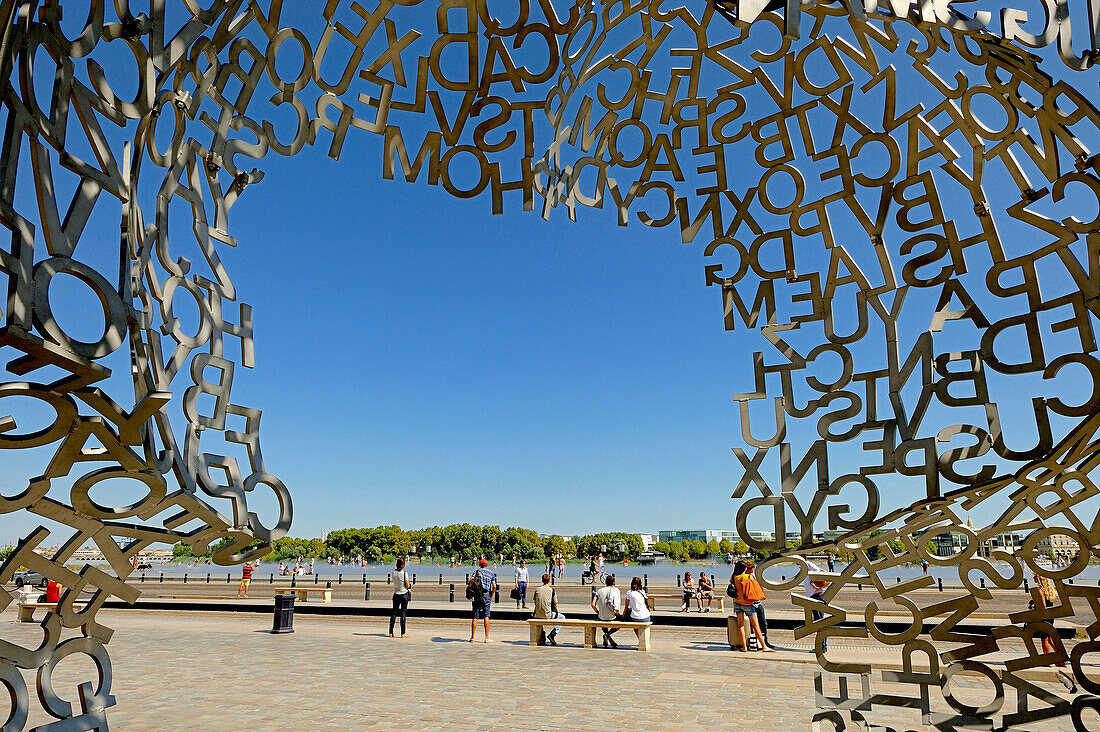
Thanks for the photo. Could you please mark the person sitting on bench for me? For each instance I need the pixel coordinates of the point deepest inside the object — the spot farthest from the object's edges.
(636, 608)
(608, 603)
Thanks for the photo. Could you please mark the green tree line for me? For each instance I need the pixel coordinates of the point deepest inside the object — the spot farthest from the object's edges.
(459, 540)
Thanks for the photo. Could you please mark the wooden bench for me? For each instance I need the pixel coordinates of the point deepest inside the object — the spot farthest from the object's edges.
(589, 625)
(719, 600)
(26, 609)
(303, 592)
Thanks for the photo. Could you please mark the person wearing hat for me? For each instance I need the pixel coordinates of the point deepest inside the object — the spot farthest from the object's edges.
(482, 606)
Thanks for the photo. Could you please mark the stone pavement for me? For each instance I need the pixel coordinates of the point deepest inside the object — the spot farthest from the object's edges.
(201, 671)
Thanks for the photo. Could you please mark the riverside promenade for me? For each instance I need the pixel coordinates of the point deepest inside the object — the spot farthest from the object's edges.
(207, 670)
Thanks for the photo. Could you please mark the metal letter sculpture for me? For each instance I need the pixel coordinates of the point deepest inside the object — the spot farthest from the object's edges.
(896, 185)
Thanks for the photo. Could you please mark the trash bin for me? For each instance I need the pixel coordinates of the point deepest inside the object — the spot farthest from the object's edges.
(284, 614)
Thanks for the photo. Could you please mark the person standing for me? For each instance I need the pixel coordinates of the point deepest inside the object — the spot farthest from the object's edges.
(749, 594)
(608, 604)
(486, 581)
(246, 578)
(400, 596)
(815, 590)
(831, 563)
(1049, 595)
(546, 606)
(521, 583)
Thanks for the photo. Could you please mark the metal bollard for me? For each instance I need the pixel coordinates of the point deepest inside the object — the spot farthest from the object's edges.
(162, 576)
(142, 576)
(293, 580)
(328, 585)
(1070, 580)
(496, 598)
(271, 578)
(859, 586)
(782, 578)
(185, 578)
(452, 592)
(940, 581)
(228, 577)
(440, 580)
(1028, 590)
(366, 592)
(645, 582)
(678, 580)
(315, 578)
(899, 580)
(364, 579)
(388, 578)
(207, 578)
(414, 578)
(982, 580)
(340, 578)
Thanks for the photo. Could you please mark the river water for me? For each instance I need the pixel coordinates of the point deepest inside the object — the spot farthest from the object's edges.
(664, 573)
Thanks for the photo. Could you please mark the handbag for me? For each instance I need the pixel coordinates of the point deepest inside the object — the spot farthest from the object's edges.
(514, 594)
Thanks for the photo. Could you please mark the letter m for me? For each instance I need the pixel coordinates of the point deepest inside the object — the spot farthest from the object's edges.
(395, 147)
(732, 303)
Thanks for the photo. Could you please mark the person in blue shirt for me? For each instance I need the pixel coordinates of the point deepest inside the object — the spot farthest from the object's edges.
(483, 605)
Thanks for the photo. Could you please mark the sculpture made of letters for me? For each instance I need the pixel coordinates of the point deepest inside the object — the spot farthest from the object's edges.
(887, 199)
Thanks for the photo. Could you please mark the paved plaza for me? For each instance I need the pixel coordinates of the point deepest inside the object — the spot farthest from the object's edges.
(225, 671)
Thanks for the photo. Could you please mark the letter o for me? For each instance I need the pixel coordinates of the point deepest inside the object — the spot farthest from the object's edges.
(114, 312)
(63, 405)
(12, 680)
(83, 503)
(445, 172)
(94, 649)
(307, 61)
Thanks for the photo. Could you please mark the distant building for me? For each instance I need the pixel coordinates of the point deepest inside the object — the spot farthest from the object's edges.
(648, 540)
(1057, 543)
(948, 543)
(704, 535)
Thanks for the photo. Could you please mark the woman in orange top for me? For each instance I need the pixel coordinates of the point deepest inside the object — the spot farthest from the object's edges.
(748, 592)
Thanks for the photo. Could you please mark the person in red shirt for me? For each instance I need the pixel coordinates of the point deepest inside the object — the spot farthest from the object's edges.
(246, 579)
(53, 591)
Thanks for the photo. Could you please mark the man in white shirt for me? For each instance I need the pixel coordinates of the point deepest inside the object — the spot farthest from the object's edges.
(608, 606)
(521, 583)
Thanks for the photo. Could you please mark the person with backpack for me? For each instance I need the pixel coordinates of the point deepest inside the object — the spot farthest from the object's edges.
(748, 594)
(608, 603)
(479, 590)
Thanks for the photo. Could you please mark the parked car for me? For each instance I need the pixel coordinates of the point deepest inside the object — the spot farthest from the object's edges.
(30, 578)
